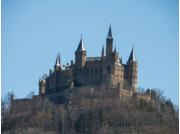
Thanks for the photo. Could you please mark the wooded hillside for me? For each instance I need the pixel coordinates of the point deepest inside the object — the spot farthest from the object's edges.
(91, 110)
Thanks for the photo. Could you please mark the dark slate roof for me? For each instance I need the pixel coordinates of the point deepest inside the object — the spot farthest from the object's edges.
(132, 56)
(58, 60)
(110, 32)
(81, 46)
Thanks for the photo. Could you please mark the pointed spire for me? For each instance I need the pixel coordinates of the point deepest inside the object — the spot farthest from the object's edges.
(58, 60)
(103, 49)
(115, 49)
(81, 45)
(110, 32)
(132, 56)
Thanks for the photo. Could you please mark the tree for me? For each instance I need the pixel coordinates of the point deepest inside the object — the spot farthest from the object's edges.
(5, 106)
(31, 94)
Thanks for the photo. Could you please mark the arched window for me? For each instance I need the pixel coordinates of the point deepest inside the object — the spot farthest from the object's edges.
(79, 71)
(91, 71)
(84, 71)
(100, 70)
(96, 71)
(76, 71)
(108, 69)
(87, 71)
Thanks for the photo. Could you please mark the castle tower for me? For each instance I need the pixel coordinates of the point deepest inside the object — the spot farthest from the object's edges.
(109, 43)
(132, 68)
(80, 54)
(12, 97)
(102, 55)
(116, 55)
(42, 86)
(57, 65)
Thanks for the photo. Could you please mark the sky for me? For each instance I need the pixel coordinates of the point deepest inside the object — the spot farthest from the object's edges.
(34, 31)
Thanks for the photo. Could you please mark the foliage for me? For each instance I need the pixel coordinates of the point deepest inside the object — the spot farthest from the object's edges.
(88, 110)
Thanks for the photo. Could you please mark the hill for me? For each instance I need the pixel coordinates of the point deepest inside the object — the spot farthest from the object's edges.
(89, 110)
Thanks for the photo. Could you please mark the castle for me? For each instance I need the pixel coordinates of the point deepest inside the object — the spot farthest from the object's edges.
(105, 72)
(92, 70)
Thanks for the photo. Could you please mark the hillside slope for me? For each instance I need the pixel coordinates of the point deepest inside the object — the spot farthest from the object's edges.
(91, 110)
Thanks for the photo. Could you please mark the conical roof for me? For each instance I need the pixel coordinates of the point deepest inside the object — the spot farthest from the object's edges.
(110, 32)
(115, 49)
(132, 56)
(81, 46)
(103, 49)
(58, 60)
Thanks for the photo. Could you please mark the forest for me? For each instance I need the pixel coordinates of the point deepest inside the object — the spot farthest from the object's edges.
(89, 110)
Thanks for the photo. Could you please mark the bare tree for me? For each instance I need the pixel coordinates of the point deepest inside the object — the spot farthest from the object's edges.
(31, 94)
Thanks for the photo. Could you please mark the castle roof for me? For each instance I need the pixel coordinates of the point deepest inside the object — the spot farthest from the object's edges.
(110, 32)
(81, 46)
(132, 56)
(58, 60)
(118, 62)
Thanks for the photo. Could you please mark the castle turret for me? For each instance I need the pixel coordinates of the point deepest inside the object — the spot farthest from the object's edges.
(109, 43)
(57, 65)
(116, 55)
(80, 54)
(102, 55)
(42, 86)
(12, 97)
(132, 68)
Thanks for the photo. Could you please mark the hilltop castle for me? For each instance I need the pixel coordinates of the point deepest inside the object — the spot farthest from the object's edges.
(92, 70)
(106, 72)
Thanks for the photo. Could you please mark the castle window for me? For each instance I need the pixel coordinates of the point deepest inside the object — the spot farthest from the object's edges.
(83, 71)
(91, 71)
(96, 71)
(76, 71)
(87, 71)
(100, 70)
(79, 71)
(108, 69)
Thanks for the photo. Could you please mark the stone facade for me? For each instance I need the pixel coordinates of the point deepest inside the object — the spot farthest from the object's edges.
(92, 70)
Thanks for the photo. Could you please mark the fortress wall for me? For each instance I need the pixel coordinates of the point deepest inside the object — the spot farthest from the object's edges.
(59, 79)
(145, 97)
(89, 74)
(125, 93)
(64, 79)
(22, 106)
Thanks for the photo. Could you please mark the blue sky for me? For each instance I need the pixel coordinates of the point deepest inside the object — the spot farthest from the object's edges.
(34, 31)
